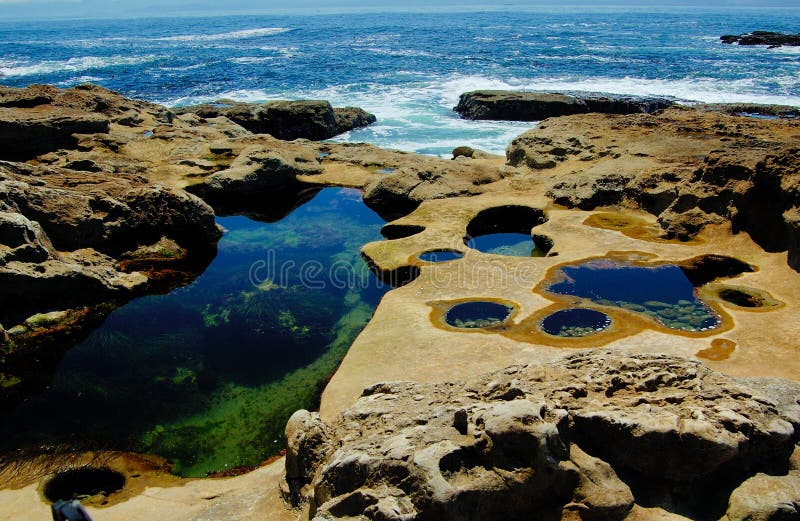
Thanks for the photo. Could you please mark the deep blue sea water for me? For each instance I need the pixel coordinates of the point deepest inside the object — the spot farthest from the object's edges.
(410, 68)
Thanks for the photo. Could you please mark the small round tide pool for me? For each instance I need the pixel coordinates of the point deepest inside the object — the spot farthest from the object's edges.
(575, 322)
(83, 482)
(440, 255)
(508, 244)
(478, 315)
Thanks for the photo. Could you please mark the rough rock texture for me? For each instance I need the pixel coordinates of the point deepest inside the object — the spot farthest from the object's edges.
(770, 38)
(259, 170)
(536, 106)
(398, 193)
(690, 168)
(308, 119)
(307, 444)
(584, 437)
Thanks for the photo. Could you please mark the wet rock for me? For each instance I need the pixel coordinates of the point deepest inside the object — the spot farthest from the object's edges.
(769, 38)
(288, 120)
(670, 429)
(536, 106)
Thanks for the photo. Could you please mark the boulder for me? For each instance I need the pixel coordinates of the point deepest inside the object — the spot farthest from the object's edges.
(766, 498)
(287, 120)
(570, 439)
(23, 240)
(769, 38)
(536, 106)
(307, 444)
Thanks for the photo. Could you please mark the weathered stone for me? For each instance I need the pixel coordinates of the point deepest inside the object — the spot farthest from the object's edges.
(766, 498)
(463, 152)
(536, 106)
(26, 133)
(672, 427)
(307, 444)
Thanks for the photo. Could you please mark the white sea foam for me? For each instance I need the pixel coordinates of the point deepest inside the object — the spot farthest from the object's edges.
(234, 35)
(418, 116)
(83, 63)
(78, 80)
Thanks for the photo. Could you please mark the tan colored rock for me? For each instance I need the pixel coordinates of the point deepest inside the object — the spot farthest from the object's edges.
(307, 444)
(542, 438)
(766, 498)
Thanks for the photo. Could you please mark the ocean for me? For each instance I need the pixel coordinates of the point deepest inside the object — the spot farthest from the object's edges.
(409, 68)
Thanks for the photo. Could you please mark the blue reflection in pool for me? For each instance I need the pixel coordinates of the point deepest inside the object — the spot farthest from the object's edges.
(662, 292)
(509, 244)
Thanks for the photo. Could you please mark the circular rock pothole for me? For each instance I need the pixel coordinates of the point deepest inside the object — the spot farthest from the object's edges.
(442, 255)
(575, 322)
(83, 482)
(478, 314)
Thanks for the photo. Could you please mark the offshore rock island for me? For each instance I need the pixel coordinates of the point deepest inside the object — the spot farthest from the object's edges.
(663, 404)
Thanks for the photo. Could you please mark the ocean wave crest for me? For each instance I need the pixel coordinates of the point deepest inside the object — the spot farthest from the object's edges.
(83, 63)
(234, 35)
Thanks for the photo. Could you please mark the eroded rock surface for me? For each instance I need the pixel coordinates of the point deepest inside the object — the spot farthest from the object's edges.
(689, 167)
(536, 106)
(586, 437)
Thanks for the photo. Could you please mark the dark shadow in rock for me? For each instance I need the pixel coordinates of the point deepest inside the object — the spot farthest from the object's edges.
(264, 207)
(83, 481)
(401, 231)
(395, 278)
(443, 255)
(506, 219)
(707, 268)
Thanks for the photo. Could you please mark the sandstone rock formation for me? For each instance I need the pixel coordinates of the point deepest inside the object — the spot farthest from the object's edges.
(308, 119)
(536, 106)
(770, 38)
(591, 436)
(690, 168)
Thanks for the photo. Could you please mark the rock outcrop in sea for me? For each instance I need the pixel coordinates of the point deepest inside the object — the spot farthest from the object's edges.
(769, 38)
(306, 119)
(536, 106)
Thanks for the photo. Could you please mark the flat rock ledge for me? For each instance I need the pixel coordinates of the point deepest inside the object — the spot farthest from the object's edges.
(536, 106)
(596, 435)
(770, 38)
(303, 119)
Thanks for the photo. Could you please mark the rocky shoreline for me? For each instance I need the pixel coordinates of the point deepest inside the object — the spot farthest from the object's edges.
(106, 198)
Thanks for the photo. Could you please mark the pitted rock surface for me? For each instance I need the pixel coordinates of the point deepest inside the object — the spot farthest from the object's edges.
(588, 436)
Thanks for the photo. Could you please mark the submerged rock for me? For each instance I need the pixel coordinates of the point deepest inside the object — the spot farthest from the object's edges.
(308, 119)
(586, 434)
(536, 106)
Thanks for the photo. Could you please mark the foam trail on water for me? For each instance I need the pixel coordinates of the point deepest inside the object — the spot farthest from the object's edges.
(233, 35)
(74, 65)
